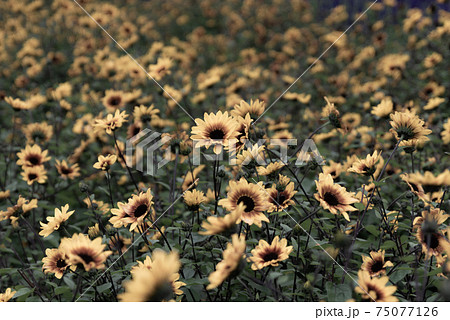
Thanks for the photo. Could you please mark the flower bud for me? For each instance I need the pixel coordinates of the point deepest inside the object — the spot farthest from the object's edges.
(83, 187)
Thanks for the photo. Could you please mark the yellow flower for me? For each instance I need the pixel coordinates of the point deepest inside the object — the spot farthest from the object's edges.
(253, 196)
(366, 166)
(34, 174)
(232, 257)
(408, 126)
(22, 206)
(271, 169)
(64, 90)
(446, 132)
(5, 194)
(154, 282)
(82, 251)
(38, 132)
(431, 60)
(254, 108)
(215, 130)
(269, 255)
(55, 222)
(18, 104)
(375, 264)
(216, 225)
(334, 169)
(26, 205)
(121, 244)
(100, 205)
(114, 100)
(435, 214)
(32, 156)
(251, 156)
(427, 186)
(7, 295)
(111, 122)
(191, 177)
(334, 197)
(105, 162)
(393, 64)
(375, 289)
(384, 108)
(161, 68)
(433, 241)
(242, 130)
(133, 212)
(333, 115)
(144, 115)
(433, 103)
(281, 194)
(55, 261)
(66, 170)
(193, 199)
(94, 231)
(148, 263)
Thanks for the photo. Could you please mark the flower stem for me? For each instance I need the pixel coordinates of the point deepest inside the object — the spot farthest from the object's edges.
(108, 177)
(125, 162)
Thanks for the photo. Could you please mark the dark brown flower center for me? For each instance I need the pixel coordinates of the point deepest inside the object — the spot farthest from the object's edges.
(241, 132)
(376, 266)
(216, 134)
(114, 101)
(269, 256)
(415, 187)
(281, 198)
(431, 240)
(163, 292)
(146, 118)
(66, 170)
(38, 135)
(136, 130)
(431, 188)
(428, 91)
(32, 176)
(140, 210)
(330, 199)
(248, 202)
(34, 160)
(86, 257)
(61, 263)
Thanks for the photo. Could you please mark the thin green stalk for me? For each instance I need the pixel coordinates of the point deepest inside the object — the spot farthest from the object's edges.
(125, 162)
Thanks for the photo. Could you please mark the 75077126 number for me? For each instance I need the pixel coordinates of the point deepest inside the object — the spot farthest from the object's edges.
(407, 311)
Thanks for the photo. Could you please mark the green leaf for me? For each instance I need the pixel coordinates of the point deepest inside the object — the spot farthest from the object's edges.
(23, 292)
(338, 293)
(6, 271)
(286, 228)
(62, 290)
(69, 282)
(373, 230)
(389, 244)
(104, 287)
(399, 273)
(188, 273)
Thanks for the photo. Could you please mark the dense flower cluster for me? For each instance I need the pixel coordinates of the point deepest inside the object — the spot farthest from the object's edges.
(288, 147)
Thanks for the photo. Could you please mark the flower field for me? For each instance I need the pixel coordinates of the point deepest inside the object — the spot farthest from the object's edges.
(224, 150)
